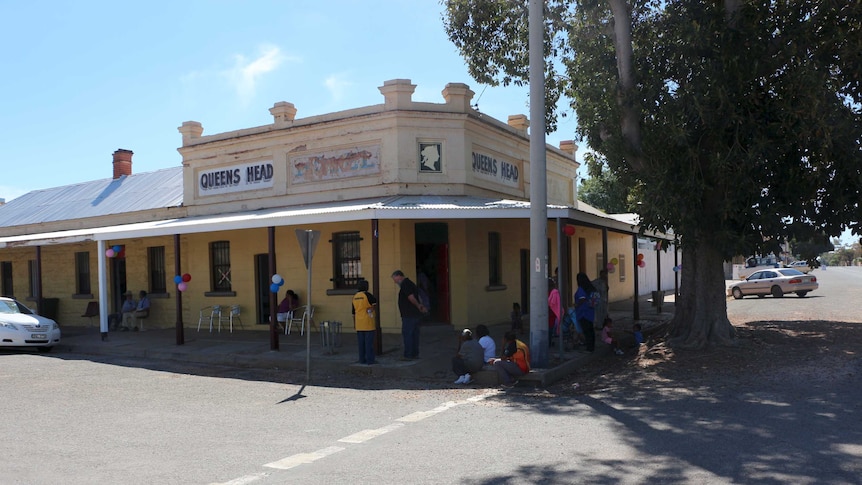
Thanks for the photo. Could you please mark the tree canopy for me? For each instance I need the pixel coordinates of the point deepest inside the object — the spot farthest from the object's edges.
(739, 121)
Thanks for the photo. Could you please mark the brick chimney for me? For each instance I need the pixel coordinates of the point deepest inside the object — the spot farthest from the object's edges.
(122, 162)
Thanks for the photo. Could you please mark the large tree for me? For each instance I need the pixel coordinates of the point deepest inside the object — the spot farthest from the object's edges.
(738, 121)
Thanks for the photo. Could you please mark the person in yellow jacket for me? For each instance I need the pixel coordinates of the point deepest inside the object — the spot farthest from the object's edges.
(514, 362)
(365, 322)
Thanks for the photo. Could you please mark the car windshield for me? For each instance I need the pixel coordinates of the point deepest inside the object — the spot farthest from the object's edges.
(790, 272)
(8, 306)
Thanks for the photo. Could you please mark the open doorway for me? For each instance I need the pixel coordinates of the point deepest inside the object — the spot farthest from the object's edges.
(262, 281)
(432, 268)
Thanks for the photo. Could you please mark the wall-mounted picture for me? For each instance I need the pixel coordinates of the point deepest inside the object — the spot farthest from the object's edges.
(430, 157)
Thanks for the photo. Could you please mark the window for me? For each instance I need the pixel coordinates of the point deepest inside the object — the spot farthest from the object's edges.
(346, 260)
(220, 264)
(6, 279)
(495, 260)
(156, 269)
(31, 268)
(82, 273)
(622, 267)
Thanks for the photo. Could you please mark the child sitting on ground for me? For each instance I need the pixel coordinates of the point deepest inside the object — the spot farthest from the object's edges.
(638, 334)
(607, 335)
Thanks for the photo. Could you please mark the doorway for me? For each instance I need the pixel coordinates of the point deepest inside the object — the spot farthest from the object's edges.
(118, 286)
(525, 281)
(261, 288)
(432, 268)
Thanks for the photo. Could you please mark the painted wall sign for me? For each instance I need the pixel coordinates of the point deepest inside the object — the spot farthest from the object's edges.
(499, 171)
(237, 178)
(335, 164)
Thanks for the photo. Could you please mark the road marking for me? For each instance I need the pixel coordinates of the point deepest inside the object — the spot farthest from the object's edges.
(244, 480)
(303, 458)
(365, 435)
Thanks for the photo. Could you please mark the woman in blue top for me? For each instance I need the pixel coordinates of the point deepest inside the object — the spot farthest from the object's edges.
(584, 310)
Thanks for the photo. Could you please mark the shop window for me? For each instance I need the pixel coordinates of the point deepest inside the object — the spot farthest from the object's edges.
(82, 273)
(220, 265)
(156, 269)
(31, 269)
(495, 260)
(346, 260)
(6, 279)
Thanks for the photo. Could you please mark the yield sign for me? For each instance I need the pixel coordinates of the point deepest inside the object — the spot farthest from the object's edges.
(307, 243)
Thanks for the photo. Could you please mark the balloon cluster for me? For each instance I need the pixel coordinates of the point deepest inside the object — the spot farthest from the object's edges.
(641, 262)
(113, 251)
(182, 281)
(277, 282)
(612, 265)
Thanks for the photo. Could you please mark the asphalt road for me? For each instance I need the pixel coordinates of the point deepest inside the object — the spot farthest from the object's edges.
(73, 420)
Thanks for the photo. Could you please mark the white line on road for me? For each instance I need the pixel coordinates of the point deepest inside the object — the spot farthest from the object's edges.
(365, 435)
(244, 480)
(302, 458)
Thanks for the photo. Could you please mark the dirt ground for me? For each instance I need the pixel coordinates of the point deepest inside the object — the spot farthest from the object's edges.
(771, 351)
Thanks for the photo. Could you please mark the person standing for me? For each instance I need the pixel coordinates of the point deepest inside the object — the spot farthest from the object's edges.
(555, 312)
(411, 310)
(584, 310)
(601, 285)
(364, 322)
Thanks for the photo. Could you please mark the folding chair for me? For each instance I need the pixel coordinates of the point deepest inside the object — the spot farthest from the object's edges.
(92, 310)
(209, 314)
(306, 319)
(234, 313)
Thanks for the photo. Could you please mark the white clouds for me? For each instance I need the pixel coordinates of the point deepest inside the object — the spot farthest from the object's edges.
(246, 73)
(337, 86)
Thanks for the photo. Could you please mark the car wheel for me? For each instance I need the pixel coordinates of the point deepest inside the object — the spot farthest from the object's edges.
(45, 350)
(737, 293)
(776, 292)
(801, 294)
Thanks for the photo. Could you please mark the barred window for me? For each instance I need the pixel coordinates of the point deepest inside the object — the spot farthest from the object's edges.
(220, 265)
(156, 269)
(495, 260)
(6, 279)
(31, 268)
(82, 273)
(346, 260)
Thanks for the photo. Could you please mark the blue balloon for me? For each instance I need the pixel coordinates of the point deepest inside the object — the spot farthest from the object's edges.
(274, 288)
(178, 279)
(117, 248)
(281, 283)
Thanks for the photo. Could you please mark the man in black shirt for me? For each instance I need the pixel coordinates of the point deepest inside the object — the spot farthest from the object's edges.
(411, 310)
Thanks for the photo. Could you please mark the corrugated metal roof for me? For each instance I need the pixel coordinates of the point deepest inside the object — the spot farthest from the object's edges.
(137, 192)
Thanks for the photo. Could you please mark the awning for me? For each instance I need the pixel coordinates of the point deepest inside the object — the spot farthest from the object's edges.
(398, 207)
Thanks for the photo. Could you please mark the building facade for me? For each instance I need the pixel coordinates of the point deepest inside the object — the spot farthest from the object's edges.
(437, 190)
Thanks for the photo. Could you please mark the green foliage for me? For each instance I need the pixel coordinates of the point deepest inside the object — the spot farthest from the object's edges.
(602, 189)
(750, 120)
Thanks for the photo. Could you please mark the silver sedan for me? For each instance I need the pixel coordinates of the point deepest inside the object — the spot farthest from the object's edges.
(775, 282)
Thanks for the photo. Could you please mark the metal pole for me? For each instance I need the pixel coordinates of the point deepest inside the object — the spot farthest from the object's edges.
(180, 335)
(637, 308)
(273, 297)
(308, 311)
(538, 192)
(562, 275)
(103, 289)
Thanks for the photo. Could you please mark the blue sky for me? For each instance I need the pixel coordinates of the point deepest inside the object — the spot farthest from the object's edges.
(82, 79)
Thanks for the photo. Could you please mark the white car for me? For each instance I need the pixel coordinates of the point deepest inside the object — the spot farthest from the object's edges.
(800, 266)
(22, 327)
(775, 282)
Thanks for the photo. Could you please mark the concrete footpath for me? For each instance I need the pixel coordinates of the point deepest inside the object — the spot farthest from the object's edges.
(251, 348)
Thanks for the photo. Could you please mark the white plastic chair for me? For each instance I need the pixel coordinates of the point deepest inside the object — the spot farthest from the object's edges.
(305, 320)
(210, 313)
(234, 313)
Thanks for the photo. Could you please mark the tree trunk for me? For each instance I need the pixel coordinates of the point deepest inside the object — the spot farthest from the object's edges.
(700, 319)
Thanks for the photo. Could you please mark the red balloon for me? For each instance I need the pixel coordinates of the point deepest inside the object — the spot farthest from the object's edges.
(569, 230)
(187, 277)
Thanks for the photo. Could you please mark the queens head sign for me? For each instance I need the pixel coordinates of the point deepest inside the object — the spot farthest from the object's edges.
(236, 178)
